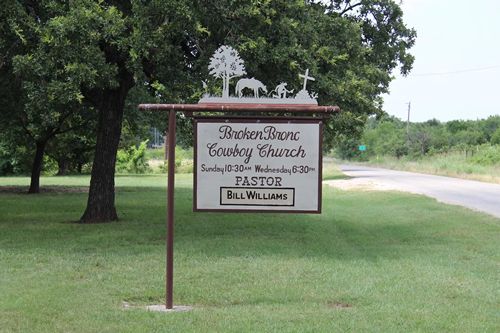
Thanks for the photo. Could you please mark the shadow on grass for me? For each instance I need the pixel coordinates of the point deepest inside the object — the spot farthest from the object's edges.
(336, 177)
(344, 231)
(20, 189)
(333, 234)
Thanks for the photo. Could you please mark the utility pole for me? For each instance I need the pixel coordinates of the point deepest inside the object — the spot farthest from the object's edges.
(408, 121)
(408, 126)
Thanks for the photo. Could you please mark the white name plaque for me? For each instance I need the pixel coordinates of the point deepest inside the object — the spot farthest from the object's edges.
(257, 165)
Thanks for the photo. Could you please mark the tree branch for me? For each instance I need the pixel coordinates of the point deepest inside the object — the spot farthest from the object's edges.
(7, 55)
(27, 131)
(23, 125)
(349, 8)
(58, 130)
(69, 129)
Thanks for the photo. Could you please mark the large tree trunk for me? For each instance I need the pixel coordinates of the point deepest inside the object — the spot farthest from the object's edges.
(36, 168)
(101, 200)
(62, 166)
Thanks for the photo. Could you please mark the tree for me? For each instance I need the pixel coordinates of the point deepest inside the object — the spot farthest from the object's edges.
(454, 126)
(489, 126)
(11, 134)
(101, 49)
(350, 48)
(226, 64)
(15, 153)
(47, 102)
(386, 137)
(92, 53)
(495, 138)
(146, 41)
(49, 109)
(72, 150)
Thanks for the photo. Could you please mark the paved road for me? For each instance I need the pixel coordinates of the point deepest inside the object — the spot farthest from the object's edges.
(476, 195)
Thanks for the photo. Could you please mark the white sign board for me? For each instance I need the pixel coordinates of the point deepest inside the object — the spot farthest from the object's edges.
(258, 165)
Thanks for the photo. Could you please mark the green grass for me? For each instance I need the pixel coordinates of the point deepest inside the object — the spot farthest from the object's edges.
(453, 164)
(155, 153)
(331, 171)
(371, 262)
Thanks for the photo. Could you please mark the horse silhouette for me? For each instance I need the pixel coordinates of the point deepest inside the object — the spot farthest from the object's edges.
(252, 84)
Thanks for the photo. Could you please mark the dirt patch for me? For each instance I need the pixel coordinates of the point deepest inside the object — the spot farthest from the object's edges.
(45, 189)
(359, 184)
(338, 305)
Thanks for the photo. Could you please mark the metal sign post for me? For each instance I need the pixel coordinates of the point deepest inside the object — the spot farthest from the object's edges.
(170, 210)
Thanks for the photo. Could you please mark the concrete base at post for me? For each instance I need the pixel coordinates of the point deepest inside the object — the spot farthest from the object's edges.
(163, 308)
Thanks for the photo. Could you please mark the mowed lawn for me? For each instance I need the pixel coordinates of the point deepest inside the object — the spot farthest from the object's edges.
(371, 262)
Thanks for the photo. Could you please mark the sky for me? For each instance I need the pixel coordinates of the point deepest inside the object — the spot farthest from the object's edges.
(456, 73)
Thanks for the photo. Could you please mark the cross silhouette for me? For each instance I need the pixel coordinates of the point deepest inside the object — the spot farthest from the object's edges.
(306, 77)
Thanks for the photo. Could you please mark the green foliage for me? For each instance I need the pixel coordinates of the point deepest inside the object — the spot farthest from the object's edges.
(347, 149)
(455, 126)
(50, 65)
(487, 155)
(72, 150)
(15, 155)
(155, 153)
(495, 138)
(469, 137)
(65, 62)
(184, 154)
(456, 163)
(350, 51)
(50, 167)
(331, 170)
(137, 124)
(6, 161)
(74, 60)
(389, 136)
(183, 161)
(458, 148)
(132, 159)
(42, 76)
(386, 138)
(489, 126)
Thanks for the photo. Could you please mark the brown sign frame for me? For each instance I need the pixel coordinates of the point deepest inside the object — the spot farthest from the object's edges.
(250, 120)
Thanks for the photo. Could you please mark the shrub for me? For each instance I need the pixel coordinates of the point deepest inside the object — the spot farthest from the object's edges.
(49, 166)
(495, 138)
(487, 155)
(155, 154)
(132, 159)
(183, 161)
(6, 161)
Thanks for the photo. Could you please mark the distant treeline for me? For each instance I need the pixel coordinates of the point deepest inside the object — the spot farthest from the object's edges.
(390, 136)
